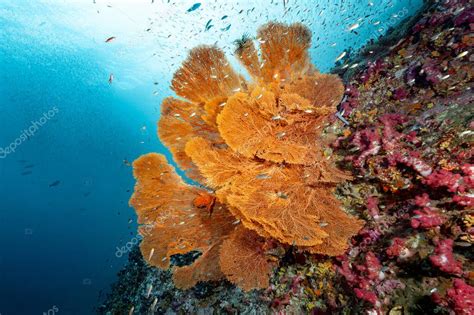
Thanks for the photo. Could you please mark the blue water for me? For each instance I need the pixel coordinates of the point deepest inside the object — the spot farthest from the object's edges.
(65, 188)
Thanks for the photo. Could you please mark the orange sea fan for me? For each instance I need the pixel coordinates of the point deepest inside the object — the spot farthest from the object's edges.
(244, 261)
(280, 138)
(259, 146)
(180, 122)
(172, 225)
(210, 66)
(293, 204)
(284, 51)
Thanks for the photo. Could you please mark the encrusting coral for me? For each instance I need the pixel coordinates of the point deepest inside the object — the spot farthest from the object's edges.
(258, 147)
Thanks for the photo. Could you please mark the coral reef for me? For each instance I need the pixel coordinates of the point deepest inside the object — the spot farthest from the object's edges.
(144, 289)
(258, 147)
(408, 146)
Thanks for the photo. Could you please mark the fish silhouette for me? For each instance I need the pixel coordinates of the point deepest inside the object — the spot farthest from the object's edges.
(55, 183)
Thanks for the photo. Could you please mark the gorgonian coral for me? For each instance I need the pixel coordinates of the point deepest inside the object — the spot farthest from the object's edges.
(258, 147)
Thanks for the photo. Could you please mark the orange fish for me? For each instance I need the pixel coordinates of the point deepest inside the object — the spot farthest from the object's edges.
(205, 201)
(108, 40)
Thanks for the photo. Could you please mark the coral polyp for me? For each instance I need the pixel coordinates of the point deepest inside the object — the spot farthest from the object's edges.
(258, 148)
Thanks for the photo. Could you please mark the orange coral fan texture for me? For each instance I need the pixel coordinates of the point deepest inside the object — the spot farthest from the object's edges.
(258, 146)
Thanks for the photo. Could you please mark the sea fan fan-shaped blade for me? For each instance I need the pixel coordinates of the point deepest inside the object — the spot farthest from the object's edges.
(244, 262)
(181, 121)
(205, 74)
(322, 90)
(284, 51)
(251, 134)
(248, 56)
(173, 225)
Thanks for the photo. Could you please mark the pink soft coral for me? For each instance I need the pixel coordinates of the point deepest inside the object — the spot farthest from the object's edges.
(427, 218)
(444, 259)
(461, 297)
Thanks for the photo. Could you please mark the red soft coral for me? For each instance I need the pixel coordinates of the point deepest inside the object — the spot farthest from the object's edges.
(398, 244)
(427, 218)
(444, 178)
(461, 297)
(444, 259)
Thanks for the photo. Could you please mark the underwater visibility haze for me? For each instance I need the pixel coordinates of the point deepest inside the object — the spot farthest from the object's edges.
(227, 157)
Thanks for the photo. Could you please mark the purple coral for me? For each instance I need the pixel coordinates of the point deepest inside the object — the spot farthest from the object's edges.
(465, 17)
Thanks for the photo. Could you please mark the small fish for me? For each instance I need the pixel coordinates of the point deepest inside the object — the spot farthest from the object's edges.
(111, 78)
(150, 287)
(353, 27)
(205, 200)
(282, 195)
(153, 305)
(463, 54)
(26, 173)
(341, 118)
(445, 77)
(226, 28)
(208, 25)
(55, 183)
(342, 55)
(463, 244)
(194, 7)
(108, 40)
(29, 166)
